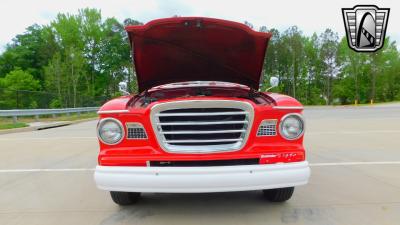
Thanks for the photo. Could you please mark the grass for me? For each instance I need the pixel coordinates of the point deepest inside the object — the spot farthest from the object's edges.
(63, 117)
(12, 125)
(379, 103)
(7, 122)
(359, 104)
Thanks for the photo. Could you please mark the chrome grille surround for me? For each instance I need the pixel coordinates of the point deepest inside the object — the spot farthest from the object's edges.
(200, 145)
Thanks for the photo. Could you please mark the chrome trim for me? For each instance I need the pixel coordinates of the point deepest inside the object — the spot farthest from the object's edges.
(287, 107)
(112, 111)
(202, 114)
(205, 141)
(115, 120)
(135, 123)
(213, 148)
(292, 114)
(202, 132)
(276, 130)
(202, 123)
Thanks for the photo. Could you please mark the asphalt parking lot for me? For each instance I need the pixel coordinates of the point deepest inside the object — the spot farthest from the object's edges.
(46, 177)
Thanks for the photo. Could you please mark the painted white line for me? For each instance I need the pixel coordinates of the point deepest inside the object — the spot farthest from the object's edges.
(92, 169)
(356, 163)
(44, 139)
(354, 132)
(45, 170)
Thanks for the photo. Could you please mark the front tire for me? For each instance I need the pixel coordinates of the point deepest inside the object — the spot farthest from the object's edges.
(124, 198)
(279, 194)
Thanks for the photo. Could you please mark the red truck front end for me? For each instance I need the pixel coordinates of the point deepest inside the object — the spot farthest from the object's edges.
(199, 125)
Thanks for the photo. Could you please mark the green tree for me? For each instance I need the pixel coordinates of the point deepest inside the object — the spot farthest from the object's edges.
(18, 86)
(115, 56)
(29, 51)
(92, 33)
(20, 80)
(55, 79)
(82, 57)
(329, 47)
(313, 68)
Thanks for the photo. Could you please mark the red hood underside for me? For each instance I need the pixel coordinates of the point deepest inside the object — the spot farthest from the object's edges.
(197, 49)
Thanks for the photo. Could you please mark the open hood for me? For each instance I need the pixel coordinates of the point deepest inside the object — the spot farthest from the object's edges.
(197, 49)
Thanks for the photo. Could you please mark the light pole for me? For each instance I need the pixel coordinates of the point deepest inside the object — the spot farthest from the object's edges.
(72, 76)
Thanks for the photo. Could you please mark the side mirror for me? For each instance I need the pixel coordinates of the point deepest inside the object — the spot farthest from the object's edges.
(273, 82)
(123, 88)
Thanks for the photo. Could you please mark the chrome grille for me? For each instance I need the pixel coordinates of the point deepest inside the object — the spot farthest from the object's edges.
(267, 128)
(202, 126)
(135, 131)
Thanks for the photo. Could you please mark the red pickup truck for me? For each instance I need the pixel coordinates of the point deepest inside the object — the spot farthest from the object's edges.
(199, 123)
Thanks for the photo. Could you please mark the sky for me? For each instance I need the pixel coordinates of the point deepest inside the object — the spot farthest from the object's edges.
(309, 15)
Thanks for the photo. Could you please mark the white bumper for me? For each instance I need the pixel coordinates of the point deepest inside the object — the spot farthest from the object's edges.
(201, 179)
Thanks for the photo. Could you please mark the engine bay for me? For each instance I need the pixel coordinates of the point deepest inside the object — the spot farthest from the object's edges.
(182, 91)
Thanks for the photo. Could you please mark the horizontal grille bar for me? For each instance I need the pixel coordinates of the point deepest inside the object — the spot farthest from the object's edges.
(202, 114)
(203, 123)
(203, 132)
(203, 141)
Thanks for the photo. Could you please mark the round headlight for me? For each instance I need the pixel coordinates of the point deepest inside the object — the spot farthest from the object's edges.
(292, 126)
(110, 131)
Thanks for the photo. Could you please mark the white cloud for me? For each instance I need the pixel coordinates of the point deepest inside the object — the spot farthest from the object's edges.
(309, 15)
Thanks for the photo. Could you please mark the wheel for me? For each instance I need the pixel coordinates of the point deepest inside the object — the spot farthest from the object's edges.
(124, 198)
(279, 194)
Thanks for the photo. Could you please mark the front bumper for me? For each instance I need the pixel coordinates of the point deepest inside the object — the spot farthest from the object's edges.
(201, 179)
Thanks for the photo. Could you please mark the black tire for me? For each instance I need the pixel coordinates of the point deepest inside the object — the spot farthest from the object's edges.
(124, 198)
(279, 194)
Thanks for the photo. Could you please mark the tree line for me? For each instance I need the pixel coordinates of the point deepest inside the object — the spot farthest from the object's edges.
(79, 59)
(322, 69)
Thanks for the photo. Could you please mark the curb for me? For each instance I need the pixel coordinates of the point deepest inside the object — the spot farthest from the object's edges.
(47, 126)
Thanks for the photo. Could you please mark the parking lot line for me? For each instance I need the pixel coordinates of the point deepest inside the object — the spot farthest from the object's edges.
(354, 132)
(45, 170)
(45, 138)
(356, 163)
(92, 169)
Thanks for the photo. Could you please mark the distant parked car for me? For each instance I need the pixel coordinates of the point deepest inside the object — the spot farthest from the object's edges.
(199, 123)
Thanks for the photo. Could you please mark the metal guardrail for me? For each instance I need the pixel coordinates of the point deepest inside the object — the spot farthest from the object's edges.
(15, 113)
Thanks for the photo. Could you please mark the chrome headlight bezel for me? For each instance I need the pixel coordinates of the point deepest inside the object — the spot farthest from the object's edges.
(297, 116)
(102, 122)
